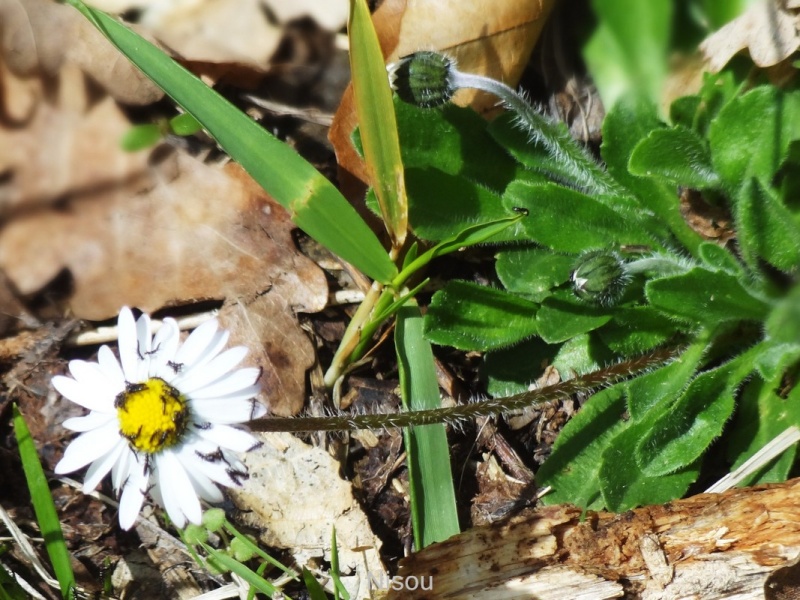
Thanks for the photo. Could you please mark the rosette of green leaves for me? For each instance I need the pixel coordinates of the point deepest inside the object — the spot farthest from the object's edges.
(733, 306)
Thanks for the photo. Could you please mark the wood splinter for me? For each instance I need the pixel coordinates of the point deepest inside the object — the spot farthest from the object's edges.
(739, 544)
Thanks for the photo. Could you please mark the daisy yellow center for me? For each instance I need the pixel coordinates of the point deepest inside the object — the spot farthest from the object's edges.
(152, 415)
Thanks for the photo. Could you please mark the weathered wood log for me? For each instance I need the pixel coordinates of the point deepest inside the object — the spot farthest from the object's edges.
(710, 546)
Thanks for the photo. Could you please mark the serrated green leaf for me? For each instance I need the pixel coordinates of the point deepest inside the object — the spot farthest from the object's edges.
(750, 136)
(628, 51)
(532, 272)
(766, 229)
(629, 122)
(557, 213)
(718, 258)
(315, 204)
(433, 503)
(707, 297)
(634, 330)
(677, 156)
(474, 317)
(563, 316)
(573, 467)
(678, 436)
(440, 205)
(762, 415)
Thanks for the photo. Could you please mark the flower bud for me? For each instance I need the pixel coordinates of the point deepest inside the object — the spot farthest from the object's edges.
(599, 278)
(423, 79)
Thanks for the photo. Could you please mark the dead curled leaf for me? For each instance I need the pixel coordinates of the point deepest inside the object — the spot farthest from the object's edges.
(768, 29)
(39, 37)
(495, 42)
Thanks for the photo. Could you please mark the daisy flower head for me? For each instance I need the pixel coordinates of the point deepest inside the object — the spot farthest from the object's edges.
(162, 417)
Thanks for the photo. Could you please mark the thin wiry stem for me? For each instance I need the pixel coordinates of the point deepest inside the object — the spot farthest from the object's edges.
(482, 408)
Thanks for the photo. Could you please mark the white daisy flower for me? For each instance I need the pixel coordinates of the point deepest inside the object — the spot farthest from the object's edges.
(160, 418)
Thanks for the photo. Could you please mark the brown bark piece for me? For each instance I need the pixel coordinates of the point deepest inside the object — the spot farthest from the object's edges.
(708, 546)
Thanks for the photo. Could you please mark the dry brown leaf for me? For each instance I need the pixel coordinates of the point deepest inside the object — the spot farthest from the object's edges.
(39, 37)
(222, 31)
(768, 29)
(197, 232)
(329, 14)
(55, 141)
(496, 42)
(295, 497)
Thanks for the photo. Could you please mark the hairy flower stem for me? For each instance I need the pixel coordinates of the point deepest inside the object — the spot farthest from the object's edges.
(481, 408)
(556, 140)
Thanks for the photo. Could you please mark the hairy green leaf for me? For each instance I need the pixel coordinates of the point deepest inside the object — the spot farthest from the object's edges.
(474, 317)
(677, 156)
(563, 316)
(532, 272)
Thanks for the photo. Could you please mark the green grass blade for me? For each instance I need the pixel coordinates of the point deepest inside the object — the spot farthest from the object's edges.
(433, 501)
(339, 590)
(315, 591)
(313, 202)
(234, 566)
(43, 506)
(377, 122)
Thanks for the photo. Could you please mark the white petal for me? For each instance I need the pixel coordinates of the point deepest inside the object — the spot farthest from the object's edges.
(133, 491)
(122, 469)
(228, 384)
(100, 468)
(91, 375)
(165, 344)
(127, 343)
(229, 437)
(84, 396)
(180, 499)
(88, 447)
(214, 469)
(197, 343)
(110, 365)
(88, 422)
(204, 487)
(144, 340)
(224, 412)
(213, 370)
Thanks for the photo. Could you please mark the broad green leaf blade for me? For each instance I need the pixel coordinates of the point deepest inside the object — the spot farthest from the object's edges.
(441, 205)
(315, 205)
(766, 228)
(783, 323)
(750, 136)
(533, 272)
(761, 416)
(573, 467)
(707, 296)
(563, 316)
(718, 258)
(43, 506)
(511, 370)
(377, 122)
(629, 122)
(556, 213)
(637, 329)
(677, 156)
(624, 486)
(433, 501)
(474, 317)
(678, 436)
